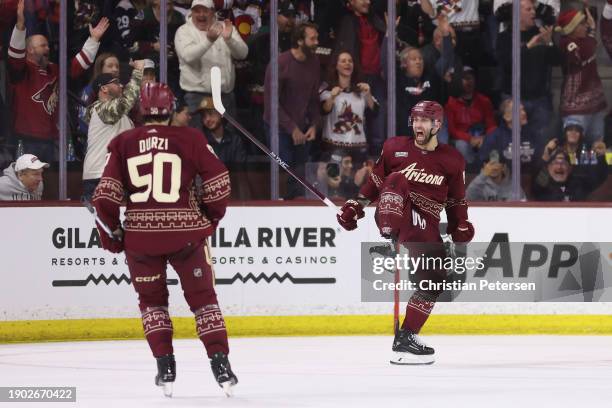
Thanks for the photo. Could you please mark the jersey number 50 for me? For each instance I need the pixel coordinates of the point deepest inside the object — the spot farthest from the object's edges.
(154, 181)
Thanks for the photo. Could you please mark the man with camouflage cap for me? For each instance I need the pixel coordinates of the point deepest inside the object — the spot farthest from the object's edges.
(108, 117)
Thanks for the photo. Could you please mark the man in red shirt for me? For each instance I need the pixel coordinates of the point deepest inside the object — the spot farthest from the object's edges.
(414, 180)
(154, 167)
(470, 117)
(34, 85)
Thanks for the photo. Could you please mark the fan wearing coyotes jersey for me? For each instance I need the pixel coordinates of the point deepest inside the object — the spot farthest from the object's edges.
(154, 167)
(414, 180)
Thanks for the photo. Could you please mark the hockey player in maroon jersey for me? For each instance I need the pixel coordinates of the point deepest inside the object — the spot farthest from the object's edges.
(154, 167)
(414, 180)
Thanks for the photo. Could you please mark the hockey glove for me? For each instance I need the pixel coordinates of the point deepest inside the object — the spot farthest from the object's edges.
(463, 233)
(349, 213)
(113, 245)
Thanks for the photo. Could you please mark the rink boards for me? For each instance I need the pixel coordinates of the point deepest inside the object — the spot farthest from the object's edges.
(279, 270)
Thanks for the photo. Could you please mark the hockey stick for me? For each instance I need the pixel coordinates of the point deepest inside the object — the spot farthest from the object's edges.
(215, 84)
(105, 227)
(396, 297)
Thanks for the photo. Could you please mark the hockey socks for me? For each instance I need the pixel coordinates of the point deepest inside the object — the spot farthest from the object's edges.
(158, 329)
(210, 327)
(418, 310)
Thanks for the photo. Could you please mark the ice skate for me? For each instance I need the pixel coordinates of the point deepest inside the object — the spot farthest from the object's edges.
(222, 370)
(408, 349)
(166, 373)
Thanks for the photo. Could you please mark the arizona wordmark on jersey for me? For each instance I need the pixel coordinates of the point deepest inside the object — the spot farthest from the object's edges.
(435, 178)
(421, 175)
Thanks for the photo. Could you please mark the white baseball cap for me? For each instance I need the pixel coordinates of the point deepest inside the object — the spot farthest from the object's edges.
(149, 64)
(205, 3)
(29, 161)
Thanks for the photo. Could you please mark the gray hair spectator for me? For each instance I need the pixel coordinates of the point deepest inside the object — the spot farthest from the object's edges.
(201, 43)
(23, 179)
(107, 117)
(413, 85)
(582, 95)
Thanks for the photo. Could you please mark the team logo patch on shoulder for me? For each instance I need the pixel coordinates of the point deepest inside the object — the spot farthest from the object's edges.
(401, 154)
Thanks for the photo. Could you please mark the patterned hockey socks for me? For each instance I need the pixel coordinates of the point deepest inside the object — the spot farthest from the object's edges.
(210, 327)
(418, 310)
(158, 329)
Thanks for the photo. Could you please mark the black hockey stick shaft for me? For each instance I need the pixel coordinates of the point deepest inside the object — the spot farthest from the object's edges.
(215, 84)
(279, 160)
(102, 224)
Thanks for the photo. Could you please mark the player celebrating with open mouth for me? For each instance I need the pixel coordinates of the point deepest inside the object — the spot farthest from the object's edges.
(414, 180)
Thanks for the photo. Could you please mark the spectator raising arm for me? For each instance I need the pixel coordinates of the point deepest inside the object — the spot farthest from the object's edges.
(85, 58)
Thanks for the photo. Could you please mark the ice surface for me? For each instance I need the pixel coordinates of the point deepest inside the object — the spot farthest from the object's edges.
(471, 371)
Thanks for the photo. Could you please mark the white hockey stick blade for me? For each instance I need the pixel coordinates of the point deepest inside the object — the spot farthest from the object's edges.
(215, 85)
(330, 204)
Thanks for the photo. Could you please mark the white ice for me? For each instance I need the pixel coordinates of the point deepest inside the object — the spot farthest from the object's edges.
(471, 371)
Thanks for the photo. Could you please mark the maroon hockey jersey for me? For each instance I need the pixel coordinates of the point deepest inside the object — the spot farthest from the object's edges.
(154, 168)
(35, 90)
(436, 178)
(582, 91)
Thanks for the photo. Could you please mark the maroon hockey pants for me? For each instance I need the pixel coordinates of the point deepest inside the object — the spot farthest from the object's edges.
(193, 266)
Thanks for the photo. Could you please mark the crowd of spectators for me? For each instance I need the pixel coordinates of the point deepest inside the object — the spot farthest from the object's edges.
(332, 85)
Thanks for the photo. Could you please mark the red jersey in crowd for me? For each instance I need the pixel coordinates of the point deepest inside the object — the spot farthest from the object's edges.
(582, 91)
(155, 167)
(462, 117)
(369, 38)
(436, 178)
(35, 90)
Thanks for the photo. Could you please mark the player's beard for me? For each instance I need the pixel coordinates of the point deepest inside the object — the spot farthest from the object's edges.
(423, 138)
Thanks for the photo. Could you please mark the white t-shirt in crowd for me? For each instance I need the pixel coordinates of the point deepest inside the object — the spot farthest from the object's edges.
(344, 125)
